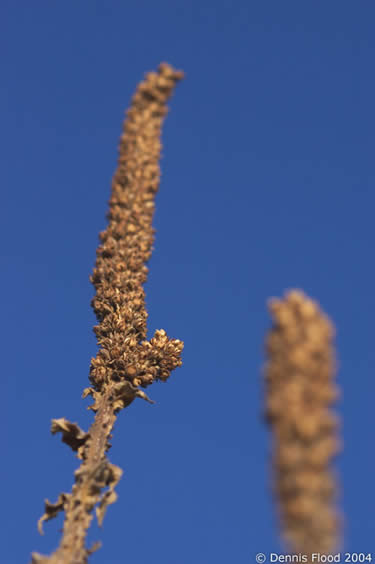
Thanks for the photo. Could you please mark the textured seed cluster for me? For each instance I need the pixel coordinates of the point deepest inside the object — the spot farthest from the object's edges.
(300, 389)
(126, 244)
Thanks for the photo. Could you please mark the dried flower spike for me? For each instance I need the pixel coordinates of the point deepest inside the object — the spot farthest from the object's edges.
(300, 389)
(125, 362)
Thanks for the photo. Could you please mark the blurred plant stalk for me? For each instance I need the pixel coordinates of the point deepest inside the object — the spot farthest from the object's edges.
(300, 389)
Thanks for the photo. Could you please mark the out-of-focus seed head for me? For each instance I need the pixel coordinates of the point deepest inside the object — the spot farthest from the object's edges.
(300, 387)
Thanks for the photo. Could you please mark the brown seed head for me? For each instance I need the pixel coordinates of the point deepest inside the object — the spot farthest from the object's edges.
(126, 245)
(300, 389)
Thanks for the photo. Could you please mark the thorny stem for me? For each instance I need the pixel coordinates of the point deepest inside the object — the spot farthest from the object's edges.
(125, 362)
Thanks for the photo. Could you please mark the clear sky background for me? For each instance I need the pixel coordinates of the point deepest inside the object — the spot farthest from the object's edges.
(267, 184)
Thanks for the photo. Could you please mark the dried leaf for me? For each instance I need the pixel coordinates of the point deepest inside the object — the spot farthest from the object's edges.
(52, 509)
(143, 395)
(72, 435)
(96, 545)
(88, 392)
(95, 395)
(37, 558)
(109, 496)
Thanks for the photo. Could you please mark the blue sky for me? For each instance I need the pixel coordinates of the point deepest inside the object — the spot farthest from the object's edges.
(267, 184)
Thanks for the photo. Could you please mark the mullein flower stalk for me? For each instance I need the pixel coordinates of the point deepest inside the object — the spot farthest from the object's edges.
(126, 363)
(300, 389)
